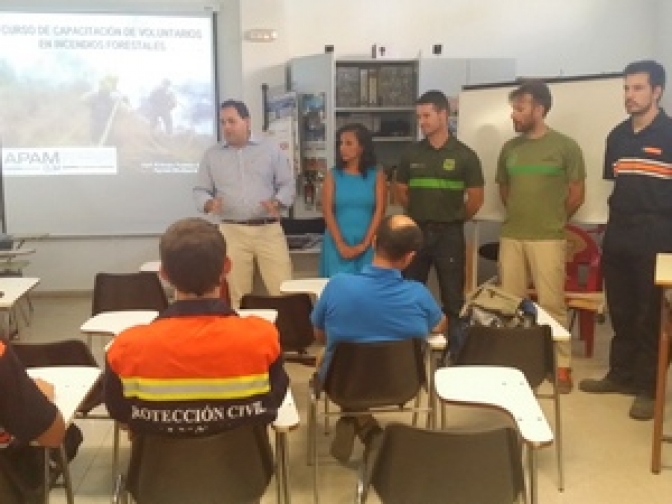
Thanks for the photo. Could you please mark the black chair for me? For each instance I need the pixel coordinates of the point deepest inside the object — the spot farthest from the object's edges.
(128, 291)
(367, 378)
(303, 226)
(529, 349)
(230, 467)
(293, 322)
(63, 353)
(445, 467)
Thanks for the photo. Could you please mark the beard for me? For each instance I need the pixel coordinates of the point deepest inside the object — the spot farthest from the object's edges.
(635, 109)
(522, 126)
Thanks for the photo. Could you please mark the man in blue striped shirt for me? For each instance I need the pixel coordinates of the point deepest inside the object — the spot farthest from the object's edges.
(245, 183)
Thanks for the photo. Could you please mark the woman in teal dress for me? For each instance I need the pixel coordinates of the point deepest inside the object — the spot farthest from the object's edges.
(353, 203)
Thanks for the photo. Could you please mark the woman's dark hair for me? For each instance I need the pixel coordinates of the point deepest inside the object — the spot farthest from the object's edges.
(365, 139)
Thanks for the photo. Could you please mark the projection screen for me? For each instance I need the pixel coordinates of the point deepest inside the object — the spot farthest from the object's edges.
(104, 119)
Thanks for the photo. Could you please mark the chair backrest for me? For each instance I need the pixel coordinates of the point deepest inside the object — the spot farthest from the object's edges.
(293, 322)
(370, 375)
(444, 467)
(315, 225)
(128, 291)
(229, 467)
(583, 266)
(61, 353)
(529, 349)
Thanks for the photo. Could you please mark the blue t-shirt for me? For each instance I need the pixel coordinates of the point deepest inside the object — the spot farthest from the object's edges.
(377, 304)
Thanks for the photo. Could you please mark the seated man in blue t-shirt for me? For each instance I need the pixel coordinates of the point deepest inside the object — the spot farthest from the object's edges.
(377, 304)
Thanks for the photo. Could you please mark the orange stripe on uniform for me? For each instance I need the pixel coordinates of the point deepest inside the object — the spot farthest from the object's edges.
(656, 169)
(653, 150)
(2, 348)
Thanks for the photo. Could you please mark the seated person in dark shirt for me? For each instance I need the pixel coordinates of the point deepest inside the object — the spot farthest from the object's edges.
(197, 369)
(26, 415)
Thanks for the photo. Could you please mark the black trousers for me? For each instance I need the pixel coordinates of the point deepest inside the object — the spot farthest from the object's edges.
(634, 307)
(444, 248)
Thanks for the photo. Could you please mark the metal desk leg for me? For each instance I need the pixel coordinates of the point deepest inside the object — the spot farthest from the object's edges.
(659, 410)
(46, 476)
(282, 467)
(532, 461)
(65, 470)
(431, 417)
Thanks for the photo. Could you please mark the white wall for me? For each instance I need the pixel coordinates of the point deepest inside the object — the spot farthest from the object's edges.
(547, 37)
(663, 46)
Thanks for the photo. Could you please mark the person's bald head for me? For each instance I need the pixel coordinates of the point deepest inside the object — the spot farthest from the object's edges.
(397, 236)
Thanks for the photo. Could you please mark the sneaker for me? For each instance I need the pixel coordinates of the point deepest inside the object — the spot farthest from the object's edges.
(564, 380)
(344, 439)
(642, 407)
(606, 386)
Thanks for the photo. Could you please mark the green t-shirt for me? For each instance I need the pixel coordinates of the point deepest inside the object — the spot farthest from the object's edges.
(437, 178)
(537, 173)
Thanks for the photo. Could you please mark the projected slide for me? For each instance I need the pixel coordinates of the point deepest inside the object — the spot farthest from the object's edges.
(106, 102)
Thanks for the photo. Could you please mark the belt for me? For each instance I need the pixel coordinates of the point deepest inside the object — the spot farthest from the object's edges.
(251, 222)
(438, 225)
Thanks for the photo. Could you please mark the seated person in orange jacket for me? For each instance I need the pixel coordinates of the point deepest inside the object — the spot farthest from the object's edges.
(198, 368)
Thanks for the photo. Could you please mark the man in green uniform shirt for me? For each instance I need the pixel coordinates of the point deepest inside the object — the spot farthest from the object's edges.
(440, 184)
(541, 177)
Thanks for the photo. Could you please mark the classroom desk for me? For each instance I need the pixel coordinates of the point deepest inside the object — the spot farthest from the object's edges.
(663, 279)
(113, 322)
(19, 238)
(286, 421)
(437, 345)
(71, 386)
(505, 389)
(8, 255)
(266, 314)
(13, 289)
(150, 266)
(313, 286)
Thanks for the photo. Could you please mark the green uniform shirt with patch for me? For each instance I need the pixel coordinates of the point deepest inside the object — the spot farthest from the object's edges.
(437, 179)
(538, 172)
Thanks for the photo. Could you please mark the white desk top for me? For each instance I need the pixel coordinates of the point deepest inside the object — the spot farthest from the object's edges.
(71, 385)
(309, 285)
(151, 266)
(14, 288)
(499, 387)
(288, 416)
(437, 341)
(12, 253)
(266, 314)
(558, 332)
(114, 322)
(664, 270)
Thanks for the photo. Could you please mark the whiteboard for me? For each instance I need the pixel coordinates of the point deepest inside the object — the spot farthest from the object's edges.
(585, 108)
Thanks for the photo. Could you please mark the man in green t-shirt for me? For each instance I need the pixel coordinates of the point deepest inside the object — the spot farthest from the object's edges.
(440, 184)
(541, 177)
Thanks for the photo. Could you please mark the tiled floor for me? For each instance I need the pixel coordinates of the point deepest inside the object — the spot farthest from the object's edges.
(607, 455)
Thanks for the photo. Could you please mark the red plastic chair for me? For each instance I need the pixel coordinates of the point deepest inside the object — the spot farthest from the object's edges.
(583, 285)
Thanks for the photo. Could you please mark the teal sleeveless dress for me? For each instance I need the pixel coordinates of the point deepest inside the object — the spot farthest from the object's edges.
(354, 204)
